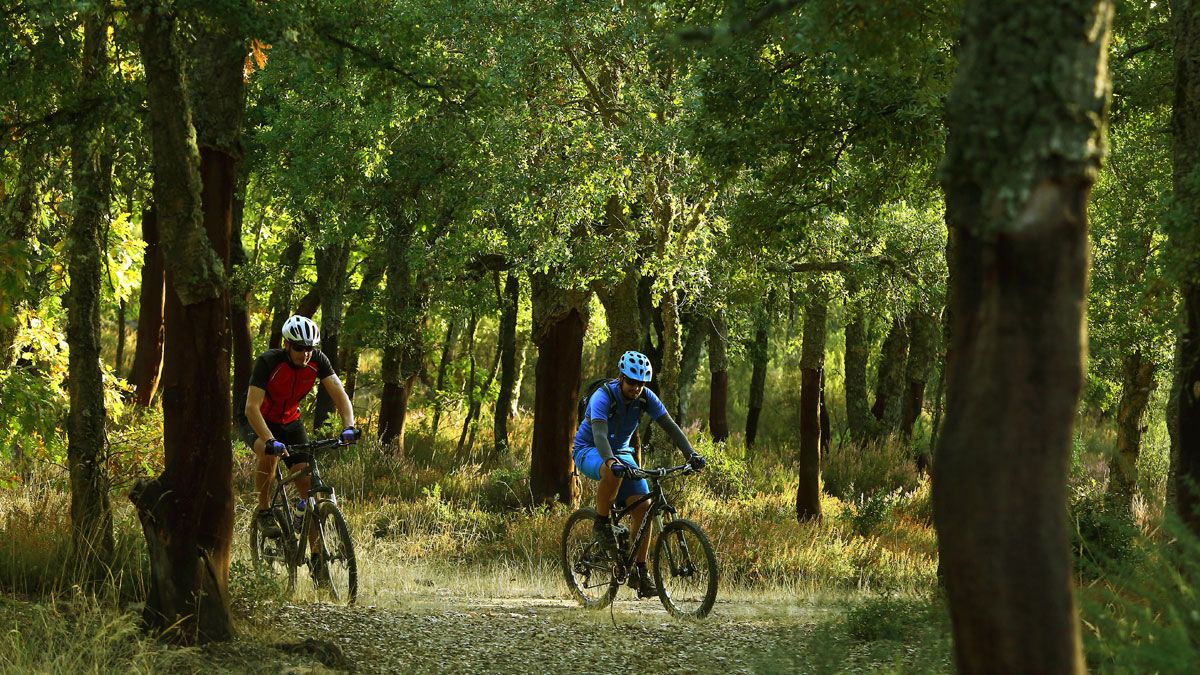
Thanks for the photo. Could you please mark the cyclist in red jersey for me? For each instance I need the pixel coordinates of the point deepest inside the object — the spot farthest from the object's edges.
(280, 380)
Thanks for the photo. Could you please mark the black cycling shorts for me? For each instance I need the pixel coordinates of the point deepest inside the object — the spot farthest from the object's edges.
(289, 434)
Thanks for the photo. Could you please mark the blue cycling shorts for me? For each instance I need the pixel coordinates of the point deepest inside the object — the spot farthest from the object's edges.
(589, 462)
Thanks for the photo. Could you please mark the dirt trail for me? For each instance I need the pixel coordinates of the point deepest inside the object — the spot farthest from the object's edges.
(434, 635)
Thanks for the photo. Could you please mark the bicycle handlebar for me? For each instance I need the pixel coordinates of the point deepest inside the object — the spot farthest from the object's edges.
(635, 472)
(317, 445)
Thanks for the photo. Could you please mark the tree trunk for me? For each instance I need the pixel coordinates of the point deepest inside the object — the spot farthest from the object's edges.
(17, 210)
(239, 310)
(922, 328)
(187, 512)
(439, 396)
(812, 365)
(363, 299)
(91, 178)
(559, 322)
(406, 302)
(668, 373)
(859, 421)
(718, 361)
(469, 385)
(760, 356)
(1025, 143)
(889, 386)
(1185, 145)
(118, 360)
(1137, 382)
(695, 335)
(471, 425)
(622, 313)
(285, 283)
(332, 275)
(523, 341)
(508, 362)
(148, 352)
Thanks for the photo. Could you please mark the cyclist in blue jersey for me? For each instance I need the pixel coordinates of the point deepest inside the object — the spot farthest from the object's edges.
(602, 450)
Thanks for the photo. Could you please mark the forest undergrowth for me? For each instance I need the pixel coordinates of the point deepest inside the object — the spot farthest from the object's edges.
(447, 530)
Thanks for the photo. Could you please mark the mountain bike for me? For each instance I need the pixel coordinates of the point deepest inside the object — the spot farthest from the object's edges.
(331, 562)
(685, 565)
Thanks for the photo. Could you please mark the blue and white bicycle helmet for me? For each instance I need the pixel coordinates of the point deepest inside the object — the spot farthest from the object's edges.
(635, 366)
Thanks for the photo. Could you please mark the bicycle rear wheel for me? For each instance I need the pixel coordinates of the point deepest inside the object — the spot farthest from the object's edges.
(333, 561)
(586, 566)
(685, 570)
(272, 556)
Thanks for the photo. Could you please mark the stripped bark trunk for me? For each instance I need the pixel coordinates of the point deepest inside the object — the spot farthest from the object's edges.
(148, 352)
(187, 512)
(559, 322)
(91, 178)
(1016, 198)
(812, 365)
(718, 360)
(1137, 383)
(506, 397)
(760, 356)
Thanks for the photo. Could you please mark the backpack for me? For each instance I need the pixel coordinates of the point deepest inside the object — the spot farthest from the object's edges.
(581, 409)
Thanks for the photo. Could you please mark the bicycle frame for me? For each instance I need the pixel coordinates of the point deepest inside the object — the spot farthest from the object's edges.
(658, 507)
(318, 493)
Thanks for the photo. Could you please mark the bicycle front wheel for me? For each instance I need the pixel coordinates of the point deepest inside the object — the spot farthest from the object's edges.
(333, 562)
(273, 557)
(685, 570)
(586, 566)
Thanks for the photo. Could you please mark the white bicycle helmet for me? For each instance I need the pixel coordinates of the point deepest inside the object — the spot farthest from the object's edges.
(635, 366)
(302, 331)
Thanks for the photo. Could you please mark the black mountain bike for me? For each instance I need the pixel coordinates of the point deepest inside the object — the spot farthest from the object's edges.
(331, 563)
(685, 565)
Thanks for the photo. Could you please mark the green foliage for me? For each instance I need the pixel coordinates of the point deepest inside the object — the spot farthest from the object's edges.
(888, 618)
(1145, 616)
(1101, 536)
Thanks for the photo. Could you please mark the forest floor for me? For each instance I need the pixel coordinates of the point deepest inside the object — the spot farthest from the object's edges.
(434, 632)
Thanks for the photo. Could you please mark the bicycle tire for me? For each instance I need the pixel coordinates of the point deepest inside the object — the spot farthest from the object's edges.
(336, 548)
(581, 558)
(274, 557)
(685, 570)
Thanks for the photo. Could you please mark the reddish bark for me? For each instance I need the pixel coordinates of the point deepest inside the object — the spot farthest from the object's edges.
(148, 353)
(560, 354)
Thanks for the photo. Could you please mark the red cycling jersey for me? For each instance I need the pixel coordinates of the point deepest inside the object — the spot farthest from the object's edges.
(286, 384)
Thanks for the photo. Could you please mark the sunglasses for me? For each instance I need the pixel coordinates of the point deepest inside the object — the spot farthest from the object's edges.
(299, 348)
(633, 383)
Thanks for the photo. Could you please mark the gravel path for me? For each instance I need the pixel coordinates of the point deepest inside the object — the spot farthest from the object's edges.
(552, 636)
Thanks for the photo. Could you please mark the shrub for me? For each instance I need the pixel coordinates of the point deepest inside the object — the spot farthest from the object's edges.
(887, 618)
(851, 470)
(1145, 616)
